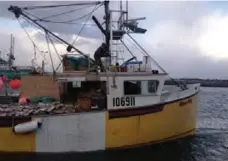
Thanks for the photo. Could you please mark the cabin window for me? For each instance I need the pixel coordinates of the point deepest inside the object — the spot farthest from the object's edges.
(132, 87)
(153, 86)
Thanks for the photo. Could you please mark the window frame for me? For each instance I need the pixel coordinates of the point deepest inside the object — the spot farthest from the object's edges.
(132, 94)
(142, 93)
(157, 86)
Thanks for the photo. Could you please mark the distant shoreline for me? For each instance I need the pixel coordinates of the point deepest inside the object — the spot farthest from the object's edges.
(203, 82)
(214, 86)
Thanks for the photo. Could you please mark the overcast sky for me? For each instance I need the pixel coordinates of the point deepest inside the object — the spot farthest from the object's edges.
(188, 39)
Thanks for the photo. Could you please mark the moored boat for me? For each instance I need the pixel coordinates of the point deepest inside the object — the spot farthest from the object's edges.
(115, 106)
(10, 71)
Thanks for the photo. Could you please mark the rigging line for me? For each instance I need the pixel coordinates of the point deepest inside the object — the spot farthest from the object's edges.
(53, 45)
(132, 44)
(54, 48)
(34, 63)
(42, 33)
(84, 24)
(35, 27)
(120, 52)
(80, 17)
(68, 23)
(128, 49)
(15, 9)
(49, 51)
(30, 14)
(58, 66)
(79, 33)
(59, 14)
(177, 83)
(38, 30)
(146, 48)
(146, 53)
(49, 21)
(73, 20)
(35, 46)
(64, 5)
(34, 43)
(29, 37)
(44, 36)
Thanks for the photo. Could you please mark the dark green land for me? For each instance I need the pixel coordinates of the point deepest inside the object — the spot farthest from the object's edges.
(203, 82)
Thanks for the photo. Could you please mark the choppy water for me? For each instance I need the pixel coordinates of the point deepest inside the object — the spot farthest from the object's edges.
(209, 144)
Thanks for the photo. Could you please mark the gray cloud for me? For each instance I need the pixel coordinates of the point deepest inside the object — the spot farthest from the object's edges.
(173, 31)
(57, 27)
(88, 31)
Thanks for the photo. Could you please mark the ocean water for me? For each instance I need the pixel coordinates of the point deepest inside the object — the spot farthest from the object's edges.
(209, 144)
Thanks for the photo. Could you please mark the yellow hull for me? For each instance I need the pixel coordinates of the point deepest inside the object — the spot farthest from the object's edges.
(175, 120)
(165, 122)
(11, 142)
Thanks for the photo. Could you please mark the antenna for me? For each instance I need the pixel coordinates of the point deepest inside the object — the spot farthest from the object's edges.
(11, 57)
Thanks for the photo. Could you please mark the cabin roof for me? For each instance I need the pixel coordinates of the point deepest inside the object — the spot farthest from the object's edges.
(103, 74)
(83, 76)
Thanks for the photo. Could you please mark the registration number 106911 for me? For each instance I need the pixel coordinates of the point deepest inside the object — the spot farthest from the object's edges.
(123, 101)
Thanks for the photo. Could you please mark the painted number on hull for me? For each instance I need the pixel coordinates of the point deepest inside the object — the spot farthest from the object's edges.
(123, 101)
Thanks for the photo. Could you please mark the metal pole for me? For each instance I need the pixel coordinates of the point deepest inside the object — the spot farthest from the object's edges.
(107, 21)
(127, 10)
(111, 38)
(121, 15)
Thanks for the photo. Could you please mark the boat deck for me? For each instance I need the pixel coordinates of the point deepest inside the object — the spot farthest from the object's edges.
(35, 109)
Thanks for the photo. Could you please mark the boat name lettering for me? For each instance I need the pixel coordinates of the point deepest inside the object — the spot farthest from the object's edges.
(123, 101)
(185, 102)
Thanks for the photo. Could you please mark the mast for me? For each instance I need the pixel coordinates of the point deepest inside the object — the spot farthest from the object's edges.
(121, 16)
(107, 22)
(107, 30)
(11, 52)
(127, 10)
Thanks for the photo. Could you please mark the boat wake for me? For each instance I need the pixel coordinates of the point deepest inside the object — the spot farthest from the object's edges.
(213, 123)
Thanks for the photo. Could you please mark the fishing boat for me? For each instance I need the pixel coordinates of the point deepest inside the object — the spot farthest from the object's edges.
(11, 71)
(116, 104)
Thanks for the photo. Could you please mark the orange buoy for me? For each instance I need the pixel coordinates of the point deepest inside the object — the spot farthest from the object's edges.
(1, 85)
(3, 78)
(22, 100)
(15, 84)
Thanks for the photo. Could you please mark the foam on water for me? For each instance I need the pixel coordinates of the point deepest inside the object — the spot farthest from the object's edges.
(213, 123)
